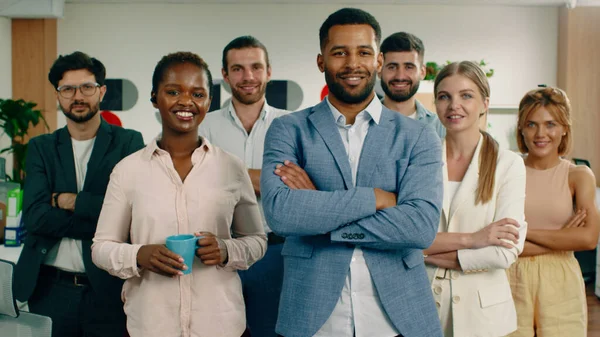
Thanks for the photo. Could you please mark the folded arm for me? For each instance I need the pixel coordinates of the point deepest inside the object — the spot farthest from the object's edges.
(510, 204)
(413, 222)
(575, 238)
(497, 245)
(305, 212)
(40, 217)
(532, 249)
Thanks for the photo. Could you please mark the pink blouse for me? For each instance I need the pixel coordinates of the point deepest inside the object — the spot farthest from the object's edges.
(145, 202)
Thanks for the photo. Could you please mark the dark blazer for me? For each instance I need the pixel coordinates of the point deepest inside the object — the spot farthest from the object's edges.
(50, 168)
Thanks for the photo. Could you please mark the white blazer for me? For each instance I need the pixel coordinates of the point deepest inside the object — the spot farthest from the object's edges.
(482, 301)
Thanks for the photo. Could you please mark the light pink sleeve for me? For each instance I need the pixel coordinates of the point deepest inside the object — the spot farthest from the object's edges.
(110, 250)
(250, 241)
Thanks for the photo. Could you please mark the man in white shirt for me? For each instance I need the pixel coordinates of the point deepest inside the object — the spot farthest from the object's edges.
(67, 175)
(240, 128)
(403, 70)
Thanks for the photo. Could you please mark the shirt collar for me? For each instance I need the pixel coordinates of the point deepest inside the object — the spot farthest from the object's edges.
(421, 110)
(152, 148)
(266, 109)
(372, 111)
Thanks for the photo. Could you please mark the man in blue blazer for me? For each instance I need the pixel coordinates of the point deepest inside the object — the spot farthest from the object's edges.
(356, 189)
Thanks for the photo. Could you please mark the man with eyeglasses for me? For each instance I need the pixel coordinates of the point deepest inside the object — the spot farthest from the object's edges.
(67, 173)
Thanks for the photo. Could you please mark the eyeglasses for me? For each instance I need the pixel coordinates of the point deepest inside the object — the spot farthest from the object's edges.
(68, 91)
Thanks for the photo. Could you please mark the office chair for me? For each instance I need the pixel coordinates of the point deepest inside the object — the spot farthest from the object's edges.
(17, 323)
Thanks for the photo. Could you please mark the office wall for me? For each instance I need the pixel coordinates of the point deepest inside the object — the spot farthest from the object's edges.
(5, 75)
(518, 42)
(578, 69)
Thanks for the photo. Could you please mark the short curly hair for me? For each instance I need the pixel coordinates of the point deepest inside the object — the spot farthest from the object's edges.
(76, 61)
(178, 58)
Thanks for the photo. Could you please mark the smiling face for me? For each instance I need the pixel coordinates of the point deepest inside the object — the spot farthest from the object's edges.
(459, 104)
(247, 74)
(542, 133)
(401, 75)
(350, 60)
(80, 108)
(182, 98)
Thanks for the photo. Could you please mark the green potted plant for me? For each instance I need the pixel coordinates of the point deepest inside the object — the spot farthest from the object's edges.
(16, 119)
(432, 69)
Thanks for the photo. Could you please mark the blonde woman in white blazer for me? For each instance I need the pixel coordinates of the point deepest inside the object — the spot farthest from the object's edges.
(482, 228)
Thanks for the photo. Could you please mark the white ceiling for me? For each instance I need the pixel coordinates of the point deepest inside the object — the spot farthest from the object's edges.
(399, 2)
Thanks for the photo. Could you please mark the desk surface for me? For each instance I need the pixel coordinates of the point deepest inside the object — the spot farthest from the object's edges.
(10, 253)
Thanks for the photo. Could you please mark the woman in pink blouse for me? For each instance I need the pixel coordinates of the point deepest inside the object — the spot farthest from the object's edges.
(180, 184)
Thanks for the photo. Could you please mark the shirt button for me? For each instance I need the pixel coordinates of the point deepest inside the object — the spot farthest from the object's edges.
(455, 299)
(351, 130)
(454, 275)
(437, 290)
(438, 305)
(353, 259)
(351, 158)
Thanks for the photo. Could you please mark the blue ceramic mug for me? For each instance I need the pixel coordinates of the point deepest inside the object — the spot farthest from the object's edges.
(184, 245)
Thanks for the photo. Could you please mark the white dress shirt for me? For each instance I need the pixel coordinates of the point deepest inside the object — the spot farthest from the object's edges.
(224, 129)
(68, 254)
(358, 311)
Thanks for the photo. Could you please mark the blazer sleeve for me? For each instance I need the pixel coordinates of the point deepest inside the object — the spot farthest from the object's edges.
(413, 223)
(88, 205)
(39, 216)
(305, 212)
(510, 204)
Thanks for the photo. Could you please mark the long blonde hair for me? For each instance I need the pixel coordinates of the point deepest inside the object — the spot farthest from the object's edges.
(488, 157)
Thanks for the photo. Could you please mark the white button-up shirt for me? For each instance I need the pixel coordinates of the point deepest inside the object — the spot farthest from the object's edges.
(224, 129)
(358, 311)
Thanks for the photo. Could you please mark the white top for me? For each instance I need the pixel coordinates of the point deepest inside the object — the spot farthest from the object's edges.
(224, 129)
(358, 311)
(413, 115)
(67, 254)
(452, 188)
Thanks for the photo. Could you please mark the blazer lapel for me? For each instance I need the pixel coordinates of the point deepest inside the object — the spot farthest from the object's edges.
(66, 160)
(322, 119)
(468, 186)
(101, 145)
(371, 153)
(446, 199)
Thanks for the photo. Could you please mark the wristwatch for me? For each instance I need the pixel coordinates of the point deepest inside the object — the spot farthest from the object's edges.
(55, 197)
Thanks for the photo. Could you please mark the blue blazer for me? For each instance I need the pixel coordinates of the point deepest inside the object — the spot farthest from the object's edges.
(322, 227)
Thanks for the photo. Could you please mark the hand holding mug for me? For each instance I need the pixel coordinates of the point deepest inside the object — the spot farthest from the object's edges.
(212, 251)
(161, 260)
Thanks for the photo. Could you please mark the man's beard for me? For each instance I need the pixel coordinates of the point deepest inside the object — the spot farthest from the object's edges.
(400, 97)
(78, 118)
(338, 90)
(249, 99)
